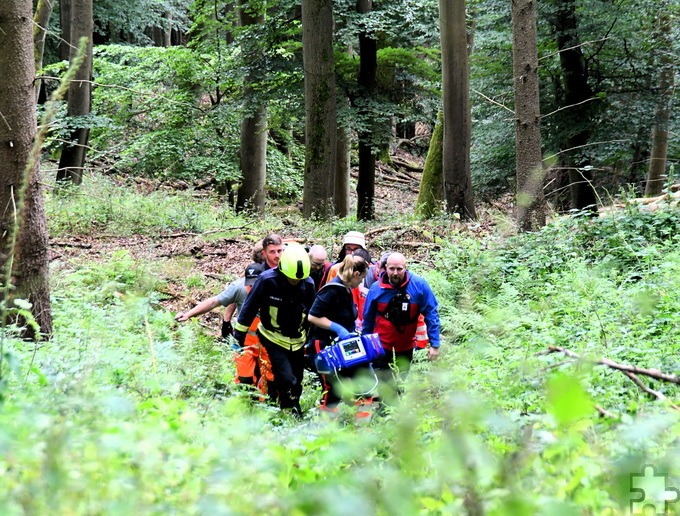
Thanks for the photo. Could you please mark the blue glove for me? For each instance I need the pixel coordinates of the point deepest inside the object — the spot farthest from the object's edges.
(340, 331)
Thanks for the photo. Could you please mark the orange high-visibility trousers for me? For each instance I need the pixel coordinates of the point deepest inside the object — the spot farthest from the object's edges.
(252, 362)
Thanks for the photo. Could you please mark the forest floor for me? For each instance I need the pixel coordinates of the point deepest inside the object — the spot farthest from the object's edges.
(220, 259)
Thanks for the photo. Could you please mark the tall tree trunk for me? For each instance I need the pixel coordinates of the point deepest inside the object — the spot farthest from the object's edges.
(72, 161)
(253, 151)
(23, 248)
(639, 160)
(162, 34)
(156, 35)
(431, 194)
(65, 23)
(456, 109)
(253, 156)
(41, 19)
(657, 161)
(342, 169)
(321, 123)
(368, 66)
(579, 115)
(406, 129)
(167, 30)
(530, 200)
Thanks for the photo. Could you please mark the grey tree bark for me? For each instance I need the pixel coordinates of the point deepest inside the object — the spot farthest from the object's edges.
(456, 109)
(530, 209)
(65, 23)
(41, 19)
(577, 117)
(253, 150)
(321, 124)
(659, 154)
(72, 161)
(368, 66)
(342, 170)
(23, 229)
(162, 34)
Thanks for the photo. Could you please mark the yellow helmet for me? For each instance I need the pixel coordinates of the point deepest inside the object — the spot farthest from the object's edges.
(295, 262)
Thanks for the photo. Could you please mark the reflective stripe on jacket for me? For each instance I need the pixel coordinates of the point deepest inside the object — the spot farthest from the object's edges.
(282, 308)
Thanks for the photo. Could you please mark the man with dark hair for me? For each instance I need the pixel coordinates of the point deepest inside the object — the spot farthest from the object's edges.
(272, 247)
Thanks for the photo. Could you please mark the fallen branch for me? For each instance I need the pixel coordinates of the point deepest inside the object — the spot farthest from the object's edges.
(657, 199)
(391, 175)
(389, 178)
(416, 244)
(170, 295)
(72, 244)
(555, 366)
(405, 173)
(653, 373)
(629, 370)
(397, 173)
(658, 395)
(209, 232)
(372, 232)
(202, 253)
(606, 413)
(413, 167)
(411, 141)
(218, 277)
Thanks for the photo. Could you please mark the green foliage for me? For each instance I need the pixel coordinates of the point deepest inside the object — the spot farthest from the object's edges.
(619, 51)
(19, 311)
(161, 126)
(174, 113)
(101, 205)
(410, 78)
(134, 18)
(407, 71)
(284, 174)
(628, 241)
(127, 411)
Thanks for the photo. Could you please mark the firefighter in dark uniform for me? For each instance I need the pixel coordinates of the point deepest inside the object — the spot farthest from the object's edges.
(283, 297)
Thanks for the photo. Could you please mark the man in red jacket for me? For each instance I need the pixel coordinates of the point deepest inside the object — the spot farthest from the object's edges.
(392, 308)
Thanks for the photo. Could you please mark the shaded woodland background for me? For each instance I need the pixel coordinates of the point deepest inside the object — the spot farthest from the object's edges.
(211, 91)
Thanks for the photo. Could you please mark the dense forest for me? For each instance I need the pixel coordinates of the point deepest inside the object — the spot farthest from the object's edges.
(522, 155)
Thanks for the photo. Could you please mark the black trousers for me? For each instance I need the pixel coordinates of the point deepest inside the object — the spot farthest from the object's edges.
(383, 365)
(288, 368)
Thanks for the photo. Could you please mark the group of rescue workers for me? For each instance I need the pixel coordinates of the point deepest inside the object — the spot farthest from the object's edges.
(292, 302)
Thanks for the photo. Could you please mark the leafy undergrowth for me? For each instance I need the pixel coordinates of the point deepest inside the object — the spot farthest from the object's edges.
(126, 412)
